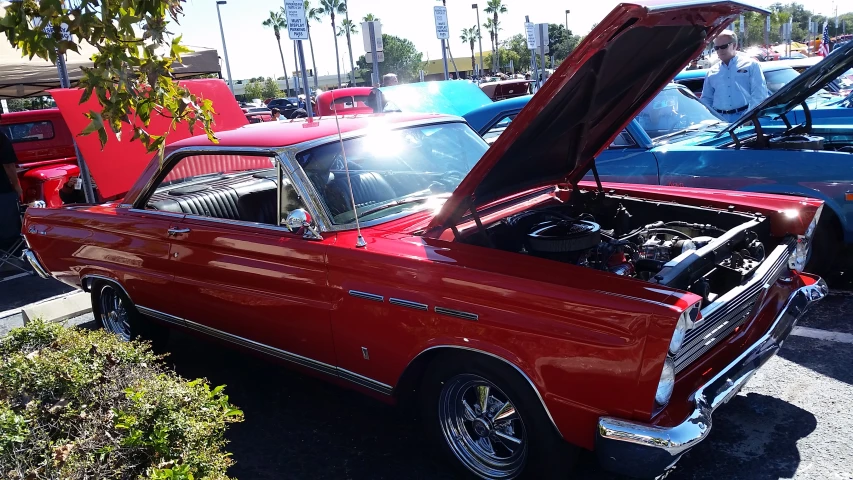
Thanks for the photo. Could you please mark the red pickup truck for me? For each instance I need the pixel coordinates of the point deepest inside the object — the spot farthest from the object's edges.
(47, 161)
(45, 150)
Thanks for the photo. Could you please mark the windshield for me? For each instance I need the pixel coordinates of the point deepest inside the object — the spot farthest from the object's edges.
(674, 110)
(777, 79)
(392, 170)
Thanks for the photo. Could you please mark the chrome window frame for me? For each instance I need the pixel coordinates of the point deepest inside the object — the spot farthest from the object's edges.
(176, 156)
(286, 163)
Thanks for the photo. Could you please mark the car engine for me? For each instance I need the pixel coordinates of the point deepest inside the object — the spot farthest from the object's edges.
(667, 250)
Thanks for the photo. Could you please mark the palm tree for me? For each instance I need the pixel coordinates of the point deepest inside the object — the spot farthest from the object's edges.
(278, 22)
(490, 26)
(330, 8)
(470, 35)
(496, 7)
(312, 14)
(348, 27)
(493, 32)
(370, 18)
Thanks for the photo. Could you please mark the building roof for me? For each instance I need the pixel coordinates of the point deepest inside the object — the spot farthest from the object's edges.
(296, 131)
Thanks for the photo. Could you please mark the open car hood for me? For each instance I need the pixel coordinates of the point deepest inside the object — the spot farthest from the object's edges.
(618, 68)
(795, 92)
(117, 166)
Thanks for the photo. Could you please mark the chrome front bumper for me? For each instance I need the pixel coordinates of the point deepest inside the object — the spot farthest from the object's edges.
(648, 451)
(34, 262)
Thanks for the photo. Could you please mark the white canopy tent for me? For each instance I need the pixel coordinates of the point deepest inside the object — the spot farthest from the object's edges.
(21, 77)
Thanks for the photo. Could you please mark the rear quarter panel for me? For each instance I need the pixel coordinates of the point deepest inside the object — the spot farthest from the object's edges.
(73, 242)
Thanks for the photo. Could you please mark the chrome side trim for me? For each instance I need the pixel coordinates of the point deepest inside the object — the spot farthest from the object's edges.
(177, 216)
(408, 304)
(367, 296)
(30, 256)
(365, 382)
(160, 315)
(644, 450)
(271, 351)
(457, 313)
(496, 357)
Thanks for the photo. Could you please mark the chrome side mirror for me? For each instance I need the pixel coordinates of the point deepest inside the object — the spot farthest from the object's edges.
(300, 220)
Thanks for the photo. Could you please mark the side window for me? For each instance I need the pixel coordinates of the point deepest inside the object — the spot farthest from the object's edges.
(623, 140)
(28, 132)
(498, 128)
(237, 187)
(694, 85)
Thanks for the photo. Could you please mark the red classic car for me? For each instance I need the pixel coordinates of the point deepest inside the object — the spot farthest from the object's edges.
(45, 151)
(525, 314)
(348, 101)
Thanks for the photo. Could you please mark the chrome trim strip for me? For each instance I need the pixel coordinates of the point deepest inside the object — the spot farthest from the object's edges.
(367, 296)
(408, 304)
(272, 351)
(644, 450)
(30, 256)
(160, 315)
(365, 382)
(456, 313)
(496, 357)
(177, 216)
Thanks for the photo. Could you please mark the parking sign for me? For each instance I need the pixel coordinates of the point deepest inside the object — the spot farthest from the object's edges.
(297, 25)
(442, 30)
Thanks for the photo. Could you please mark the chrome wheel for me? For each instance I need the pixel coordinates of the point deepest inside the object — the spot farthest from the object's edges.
(482, 427)
(114, 315)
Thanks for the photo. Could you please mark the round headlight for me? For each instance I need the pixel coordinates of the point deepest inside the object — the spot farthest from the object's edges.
(678, 336)
(667, 383)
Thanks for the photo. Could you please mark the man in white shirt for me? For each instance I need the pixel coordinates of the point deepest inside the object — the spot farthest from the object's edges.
(735, 84)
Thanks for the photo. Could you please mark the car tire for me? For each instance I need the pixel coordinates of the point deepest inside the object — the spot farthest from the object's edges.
(826, 245)
(522, 444)
(116, 314)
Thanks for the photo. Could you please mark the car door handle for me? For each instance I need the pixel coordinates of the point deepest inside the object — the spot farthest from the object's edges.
(177, 231)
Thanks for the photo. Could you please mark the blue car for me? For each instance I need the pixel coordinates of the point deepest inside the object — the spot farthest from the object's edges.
(678, 141)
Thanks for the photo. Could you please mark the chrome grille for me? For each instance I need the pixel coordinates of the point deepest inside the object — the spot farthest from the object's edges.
(720, 318)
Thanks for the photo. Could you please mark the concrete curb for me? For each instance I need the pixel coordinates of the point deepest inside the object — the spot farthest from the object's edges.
(59, 308)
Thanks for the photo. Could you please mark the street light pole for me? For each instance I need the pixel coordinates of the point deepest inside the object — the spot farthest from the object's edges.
(479, 37)
(567, 19)
(224, 48)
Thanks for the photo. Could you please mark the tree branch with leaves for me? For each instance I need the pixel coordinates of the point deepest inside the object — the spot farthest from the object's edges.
(131, 75)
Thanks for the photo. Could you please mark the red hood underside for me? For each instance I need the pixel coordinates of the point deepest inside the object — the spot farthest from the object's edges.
(116, 167)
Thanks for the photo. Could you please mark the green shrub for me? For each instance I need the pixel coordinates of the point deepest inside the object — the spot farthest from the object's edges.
(79, 404)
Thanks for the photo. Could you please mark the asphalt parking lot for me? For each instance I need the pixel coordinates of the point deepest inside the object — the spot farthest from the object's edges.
(793, 420)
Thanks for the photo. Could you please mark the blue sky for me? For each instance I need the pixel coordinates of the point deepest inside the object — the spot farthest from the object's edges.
(252, 49)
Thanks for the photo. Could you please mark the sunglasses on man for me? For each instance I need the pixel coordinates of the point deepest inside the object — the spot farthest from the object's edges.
(722, 47)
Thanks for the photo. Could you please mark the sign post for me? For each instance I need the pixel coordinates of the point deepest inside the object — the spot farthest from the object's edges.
(542, 44)
(373, 47)
(297, 29)
(530, 33)
(442, 32)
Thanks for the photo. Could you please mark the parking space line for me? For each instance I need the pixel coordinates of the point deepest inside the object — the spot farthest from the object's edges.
(823, 335)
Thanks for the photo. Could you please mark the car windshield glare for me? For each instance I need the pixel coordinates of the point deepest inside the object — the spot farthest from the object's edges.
(674, 110)
(391, 170)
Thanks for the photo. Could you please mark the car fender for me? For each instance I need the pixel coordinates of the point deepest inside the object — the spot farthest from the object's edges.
(801, 191)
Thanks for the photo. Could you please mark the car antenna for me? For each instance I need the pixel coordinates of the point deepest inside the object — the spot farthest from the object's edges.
(359, 243)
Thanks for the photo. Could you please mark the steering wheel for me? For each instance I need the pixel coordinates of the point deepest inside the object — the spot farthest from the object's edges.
(447, 182)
